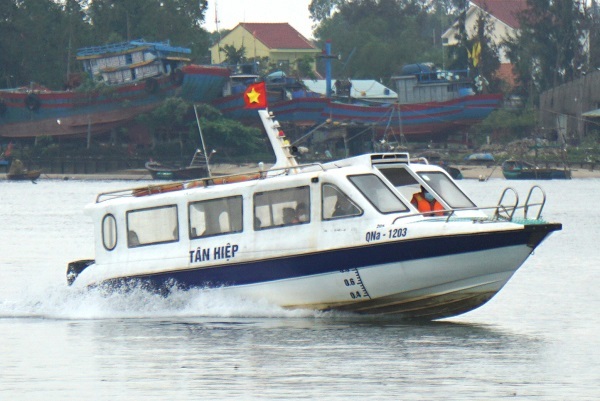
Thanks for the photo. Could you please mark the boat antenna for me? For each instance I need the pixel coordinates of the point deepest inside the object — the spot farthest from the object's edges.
(218, 32)
(202, 140)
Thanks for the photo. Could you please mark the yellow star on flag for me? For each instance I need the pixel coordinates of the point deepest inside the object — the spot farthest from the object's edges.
(253, 96)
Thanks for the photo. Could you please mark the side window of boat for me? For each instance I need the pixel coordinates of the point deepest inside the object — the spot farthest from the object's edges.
(152, 226)
(109, 232)
(282, 207)
(336, 204)
(215, 217)
(379, 194)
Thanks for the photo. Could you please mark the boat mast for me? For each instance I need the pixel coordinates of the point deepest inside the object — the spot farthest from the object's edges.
(281, 146)
(202, 140)
(218, 32)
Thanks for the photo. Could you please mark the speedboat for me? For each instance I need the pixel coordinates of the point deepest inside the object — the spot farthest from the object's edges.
(357, 245)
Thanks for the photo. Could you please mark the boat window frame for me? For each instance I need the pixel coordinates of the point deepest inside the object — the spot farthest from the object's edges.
(276, 215)
(114, 229)
(214, 234)
(406, 183)
(369, 196)
(444, 194)
(131, 233)
(348, 199)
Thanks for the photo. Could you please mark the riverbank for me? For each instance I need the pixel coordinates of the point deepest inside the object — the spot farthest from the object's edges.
(468, 172)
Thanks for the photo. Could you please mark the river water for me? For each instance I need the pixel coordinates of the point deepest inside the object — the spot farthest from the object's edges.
(539, 338)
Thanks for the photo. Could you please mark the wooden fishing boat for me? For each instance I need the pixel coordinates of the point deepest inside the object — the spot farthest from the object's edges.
(129, 78)
(18, 172)
(197, 168)
(26, 176)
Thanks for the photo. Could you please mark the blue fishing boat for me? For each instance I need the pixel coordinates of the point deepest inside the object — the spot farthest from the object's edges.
(429, 103)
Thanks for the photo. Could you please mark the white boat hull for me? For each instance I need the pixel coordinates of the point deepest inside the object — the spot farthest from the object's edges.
(426, 288)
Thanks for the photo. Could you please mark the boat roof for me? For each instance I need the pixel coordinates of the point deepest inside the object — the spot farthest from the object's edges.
(349, 165)
(126, 47)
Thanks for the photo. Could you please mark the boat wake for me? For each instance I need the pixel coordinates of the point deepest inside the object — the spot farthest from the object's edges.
(68, 303)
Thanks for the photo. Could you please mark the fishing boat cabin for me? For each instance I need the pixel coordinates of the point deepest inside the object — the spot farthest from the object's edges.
(118, 63)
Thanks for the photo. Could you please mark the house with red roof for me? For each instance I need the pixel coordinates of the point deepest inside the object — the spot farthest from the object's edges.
(505, 23)
(279, 42)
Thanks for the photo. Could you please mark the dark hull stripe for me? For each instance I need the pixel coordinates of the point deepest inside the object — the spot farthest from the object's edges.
(232, 274)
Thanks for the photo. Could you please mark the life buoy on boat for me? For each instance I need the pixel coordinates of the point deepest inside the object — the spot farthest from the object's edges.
(32, 102)
(151, 85)
(177, 77)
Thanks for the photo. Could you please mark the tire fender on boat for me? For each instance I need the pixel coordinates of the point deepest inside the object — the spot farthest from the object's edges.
(32, 102)
(177, 77)
(151, 85)
(2, 107)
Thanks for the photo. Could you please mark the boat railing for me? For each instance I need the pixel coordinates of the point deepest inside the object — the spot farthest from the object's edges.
(154, 189)
(528, 205)
(502, 211)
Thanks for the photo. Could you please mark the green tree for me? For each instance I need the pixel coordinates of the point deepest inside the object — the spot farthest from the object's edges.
(35, 39)
(478, 53)
(304, 67)
(174, 122)
(374, 38)
(322, 9)
(233, 56)
(229, 137)
(153, 20)
(549, 48)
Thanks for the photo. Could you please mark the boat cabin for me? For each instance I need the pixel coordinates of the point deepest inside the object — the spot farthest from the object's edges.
(244, 217)
(422, 83)
(118, 63)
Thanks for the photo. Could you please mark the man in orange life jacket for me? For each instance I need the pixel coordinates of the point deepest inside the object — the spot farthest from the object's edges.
(425, 202)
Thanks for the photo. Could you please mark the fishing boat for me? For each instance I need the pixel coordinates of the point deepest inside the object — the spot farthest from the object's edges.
(18, 172)
(197, 168)
(342, 235)
(123, 80)
(31, 175)
(522, 170)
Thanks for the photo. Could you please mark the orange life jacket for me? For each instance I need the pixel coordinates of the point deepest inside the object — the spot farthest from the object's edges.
(425, 206)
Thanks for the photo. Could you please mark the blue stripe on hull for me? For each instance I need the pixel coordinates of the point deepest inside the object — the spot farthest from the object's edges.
(330, 261)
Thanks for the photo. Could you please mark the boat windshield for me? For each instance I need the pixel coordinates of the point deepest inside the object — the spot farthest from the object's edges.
(378, 193)
(447, 189)
(400, 178)
(443, 186)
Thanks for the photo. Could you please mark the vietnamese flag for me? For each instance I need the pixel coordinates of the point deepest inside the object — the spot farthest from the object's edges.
(255, 96)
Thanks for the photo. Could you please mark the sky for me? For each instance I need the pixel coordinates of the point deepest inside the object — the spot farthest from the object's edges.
(232, 12)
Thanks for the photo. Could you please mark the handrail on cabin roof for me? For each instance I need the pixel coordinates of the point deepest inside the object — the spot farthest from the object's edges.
(204, 182)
